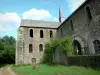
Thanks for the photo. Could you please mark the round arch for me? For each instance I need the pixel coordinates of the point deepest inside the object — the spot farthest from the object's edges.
(78, 45)
(94, 45)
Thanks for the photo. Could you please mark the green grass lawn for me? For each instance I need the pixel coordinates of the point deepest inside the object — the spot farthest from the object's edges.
(54, 70)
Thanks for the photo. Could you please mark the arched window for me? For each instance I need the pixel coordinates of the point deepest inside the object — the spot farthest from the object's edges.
(71, 22)
(41, 33)
(30, 48)
(61, 32)
(31, 33)
(96, 46)
(51, 34)
(40, 47)
(88, 12)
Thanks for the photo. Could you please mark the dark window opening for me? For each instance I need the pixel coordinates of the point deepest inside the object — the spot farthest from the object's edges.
(40, 47)
(30, 48)
(96, 46)
(31, 33)
(88, 12)
(41, 33)
(51, 34)
(71, 22)
(61, 32)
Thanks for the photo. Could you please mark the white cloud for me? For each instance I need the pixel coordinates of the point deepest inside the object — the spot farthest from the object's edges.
(9, 21)
(55, 19)
(74, 4)
(36, 14)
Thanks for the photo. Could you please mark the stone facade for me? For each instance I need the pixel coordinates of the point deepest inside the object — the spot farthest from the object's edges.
(83, 26)
(24, 39)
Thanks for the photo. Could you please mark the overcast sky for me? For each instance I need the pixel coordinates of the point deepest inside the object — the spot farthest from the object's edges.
(12, 11)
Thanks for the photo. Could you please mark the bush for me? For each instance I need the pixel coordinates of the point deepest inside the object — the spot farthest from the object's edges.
(63, 44)
(48, 54)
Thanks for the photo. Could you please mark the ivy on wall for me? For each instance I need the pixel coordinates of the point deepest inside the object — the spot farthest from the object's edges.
(62, 44)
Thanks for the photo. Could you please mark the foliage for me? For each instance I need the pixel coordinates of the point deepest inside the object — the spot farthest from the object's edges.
(54, 70)
(7, 49)
(65, 45)
(62, 44)
(48, 53)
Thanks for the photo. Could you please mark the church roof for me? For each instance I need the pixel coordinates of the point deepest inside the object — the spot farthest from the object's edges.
(73, 12)
(39, 24)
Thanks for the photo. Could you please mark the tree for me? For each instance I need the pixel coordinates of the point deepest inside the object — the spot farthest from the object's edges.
(7, 49)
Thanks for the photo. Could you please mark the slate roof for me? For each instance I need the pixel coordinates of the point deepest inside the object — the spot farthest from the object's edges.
(39, 23)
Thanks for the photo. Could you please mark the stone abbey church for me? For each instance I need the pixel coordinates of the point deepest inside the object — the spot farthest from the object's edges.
(83, 25)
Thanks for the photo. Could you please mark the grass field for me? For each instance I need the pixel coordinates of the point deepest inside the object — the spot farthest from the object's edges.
(54, 70)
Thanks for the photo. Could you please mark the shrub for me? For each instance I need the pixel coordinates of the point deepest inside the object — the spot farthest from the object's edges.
(62, 44)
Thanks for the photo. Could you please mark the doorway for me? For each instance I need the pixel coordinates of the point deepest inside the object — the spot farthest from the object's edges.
(77, 47)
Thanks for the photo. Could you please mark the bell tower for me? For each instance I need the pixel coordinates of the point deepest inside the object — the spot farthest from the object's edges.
(61, 16)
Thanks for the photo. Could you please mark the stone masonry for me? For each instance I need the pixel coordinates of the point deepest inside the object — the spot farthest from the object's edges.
(83, 25)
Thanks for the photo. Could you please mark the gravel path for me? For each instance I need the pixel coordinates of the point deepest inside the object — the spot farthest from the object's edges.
(1, 71)
(6, 71)
(10, 71)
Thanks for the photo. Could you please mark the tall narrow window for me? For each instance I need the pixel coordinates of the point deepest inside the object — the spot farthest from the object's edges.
(61, 32)
(71, 22)
(30, 48)
(41, 33)
(88, 12)
(51, 34)
(40, 47)
(31, 33)
(96, 46)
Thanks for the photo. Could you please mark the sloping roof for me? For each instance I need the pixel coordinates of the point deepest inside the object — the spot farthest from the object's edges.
(73, 12)
(39, 23)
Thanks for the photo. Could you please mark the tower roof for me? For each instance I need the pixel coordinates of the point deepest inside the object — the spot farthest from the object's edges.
(60, 13)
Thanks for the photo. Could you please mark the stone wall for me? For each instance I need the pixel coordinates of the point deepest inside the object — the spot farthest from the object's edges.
(60, 57)
(78, 26)
(19, 46)
(23, 55)
(88, 61)
(85, 30)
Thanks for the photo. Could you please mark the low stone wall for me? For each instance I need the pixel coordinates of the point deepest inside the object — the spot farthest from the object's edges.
(93, 61)
(79, 60)
(60, 57)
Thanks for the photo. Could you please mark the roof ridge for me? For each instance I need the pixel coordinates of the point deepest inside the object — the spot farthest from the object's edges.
(39, 20)
(39, 23)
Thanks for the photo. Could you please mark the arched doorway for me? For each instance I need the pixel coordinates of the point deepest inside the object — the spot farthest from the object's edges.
(77, 47)
(33, 60)
(96, 44)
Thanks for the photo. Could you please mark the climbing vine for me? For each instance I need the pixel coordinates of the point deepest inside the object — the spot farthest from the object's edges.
(61, 44)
